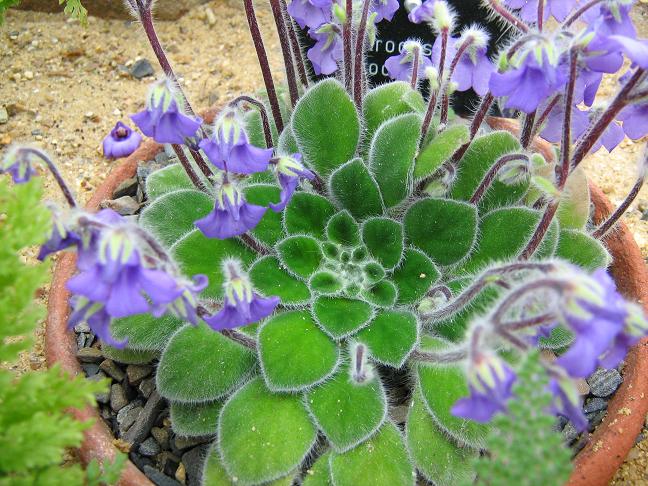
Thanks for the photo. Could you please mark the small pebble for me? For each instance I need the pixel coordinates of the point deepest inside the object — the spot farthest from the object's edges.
(159, 478)
(127, 416)
(181, 473)
(4, 115)
(569, 433)
(141, 69)
(82, 327)
(112, 370)
(594, 405)
(118, 399)
(125, 205)
(28, 75)
(604, 383)
(136, 373)
(147, 387)
(161, 435)
(149, 447)
(126, 188)
(90, 369)
(90, 355)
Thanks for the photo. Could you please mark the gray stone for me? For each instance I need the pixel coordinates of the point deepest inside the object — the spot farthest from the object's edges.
(90, 369)
(136, 373)
(182, 443)
(162, 158)
(125, 205)
(126, 188)
(149, 447)
(161, 435)
(193, 462)
(4, 115)
(594, 405)
(82, 340)
(146, 387)
(167, 462)
(112, 370)
(141, 69)
(570, 433)
(82, 327)
(118, 399)
(103, 397)
(146, 420)
(644, 216)
(595, 418)
(604, 383)
(90, 355)
(158, 478)
(128, 415)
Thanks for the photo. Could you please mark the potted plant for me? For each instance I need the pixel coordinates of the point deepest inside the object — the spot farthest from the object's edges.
(375, 313)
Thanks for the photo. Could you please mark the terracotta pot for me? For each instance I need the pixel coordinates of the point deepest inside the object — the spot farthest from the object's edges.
(594, 466)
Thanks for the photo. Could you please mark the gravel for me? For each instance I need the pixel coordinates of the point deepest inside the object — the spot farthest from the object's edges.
(604, 382)
(142, 69)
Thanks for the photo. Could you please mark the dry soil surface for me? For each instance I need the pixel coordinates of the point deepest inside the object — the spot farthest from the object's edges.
(65, 86)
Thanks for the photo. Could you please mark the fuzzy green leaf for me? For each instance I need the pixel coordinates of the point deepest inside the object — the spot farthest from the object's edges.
(294, 353)
(445, 230)
(307, 214)
(440, 149)
(384, 240)
(414, 276)
(391, 337)
(195, 419)
(391, 157)
(382, 294)
(198, 254)
(263, 436)
(574, 208)
(172, 215)
(128, 355)
(270, 279)
(388, 101)
(505, 232)
(346, 412)
(325, 283)
(441, 387)
(200, 365)
(343, 229)
(379, 461)
(434, 454)
(356, 190)
(326, 126)
(167, 179)
(483, 153)
(340, 317)
(287, 145)
(559, 338)
(270, 228)
(300, 254)
(581, 249)
(319, 474)
(145, 332)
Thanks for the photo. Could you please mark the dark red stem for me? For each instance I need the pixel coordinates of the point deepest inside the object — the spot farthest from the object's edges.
(284, 42)
(267, 132)
(358, 55)
(346, 40)
(540, 231)
(67, 193)
(295, 45)
(565, 146)
(609, 223)
(492, 172)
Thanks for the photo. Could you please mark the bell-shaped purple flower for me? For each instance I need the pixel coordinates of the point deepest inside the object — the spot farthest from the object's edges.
(567, 401)
(532, 80)
(385, 9)
(163, 119)
(232, 214)
(84, 310)
(60, 238)
(528, 9)
(242, 305)
(230, 149)
(635, 121)
(490, 381)
(437, 13)
(611, 18)
(327, 51)
(400, 66)
(289, 170)
(18, 163)
(121, 142)
(310, 13)
(635, 327)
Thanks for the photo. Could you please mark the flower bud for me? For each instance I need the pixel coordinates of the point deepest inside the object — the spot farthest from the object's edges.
(514, 172)
(432, 75)
(339, 13)
(444, 19)
(476, 35)
(18, 162)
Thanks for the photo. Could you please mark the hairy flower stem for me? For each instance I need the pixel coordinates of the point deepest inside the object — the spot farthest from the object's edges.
(506, 15)
(597, 129)
(284, 42)
(240, 338)
(541, 7)
(609, 223)
(51, 166)
(267, 132)
(565, 146)
(200, 162)
(577, 13)
(347, 34)
(540, 231)
(545, 114)
(358, 55)
(263, 63)
(416, 52)
(492, 172)
(295, 45)
(445, 89)
(475, 125)
(489, 276)
(446, 357)
(254, 244)
(431, 108)
(186, 165)
(538, 320)
(556, 285)
(526, 135)
(444, 289)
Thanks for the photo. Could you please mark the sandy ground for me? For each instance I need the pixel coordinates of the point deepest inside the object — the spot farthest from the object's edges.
(65, 87)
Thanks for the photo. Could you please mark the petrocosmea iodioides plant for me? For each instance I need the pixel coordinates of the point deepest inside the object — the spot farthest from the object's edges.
(403, 257)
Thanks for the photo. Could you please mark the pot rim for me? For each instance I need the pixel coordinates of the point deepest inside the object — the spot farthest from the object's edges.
(595, 465)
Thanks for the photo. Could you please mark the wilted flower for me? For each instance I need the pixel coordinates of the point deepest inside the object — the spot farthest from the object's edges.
(401, 65)
(121, 141)
(232, 214)
(18, 163)
(163, 118)
(242, 305)
(310, 13)
(230, 149)
(289, 170)
(327, 50)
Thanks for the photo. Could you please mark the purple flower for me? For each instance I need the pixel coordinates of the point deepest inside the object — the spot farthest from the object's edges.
(18, 163)
(401, 65)
(560, 9)
(162, 119)
(289, 170)
(611, 18)
(635, 121)
(490, 381)
(587, 85)
(437, 13)
(595, 313)
(229, 149)
(385, 9)
(423, 12)
(635, 327)
(60, 239)
(310, 13)
(121, 142)
(529, 83)
(232, 214)
(567, 401)
(242, 304)
(327, 51)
